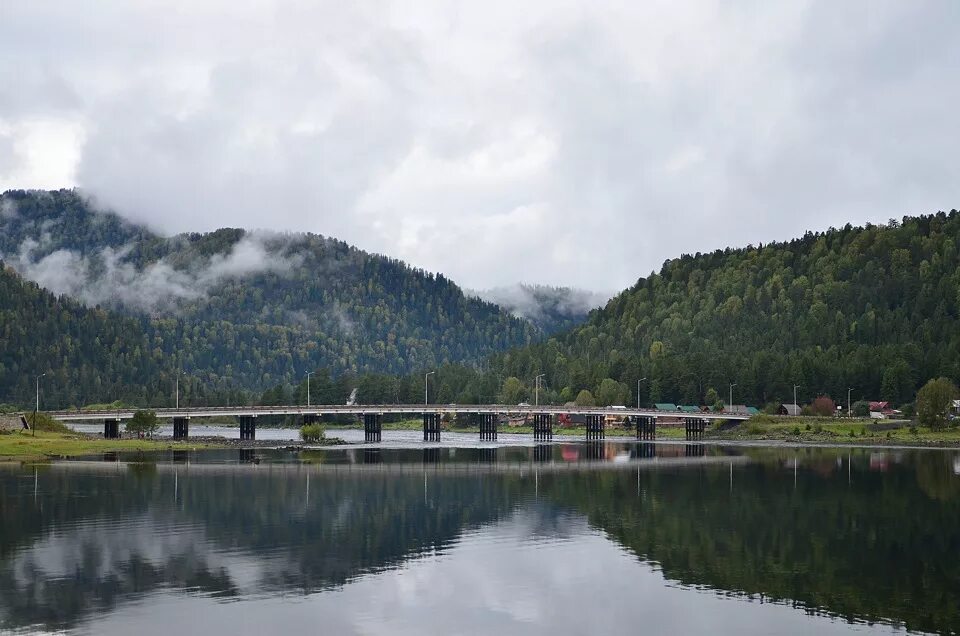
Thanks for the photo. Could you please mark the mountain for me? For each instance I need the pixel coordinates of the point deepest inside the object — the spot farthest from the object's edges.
(248, 309)
(550, 309)
(875, 309)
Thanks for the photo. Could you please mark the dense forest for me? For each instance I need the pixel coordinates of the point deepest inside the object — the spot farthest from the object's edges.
(875, 309)
(243, 315)
(550, 309)
(229, 308)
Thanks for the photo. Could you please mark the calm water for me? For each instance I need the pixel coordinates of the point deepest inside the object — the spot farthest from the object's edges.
(614, 538)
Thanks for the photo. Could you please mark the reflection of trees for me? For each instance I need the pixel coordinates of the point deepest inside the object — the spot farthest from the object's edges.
(346, 526)
(876, 549)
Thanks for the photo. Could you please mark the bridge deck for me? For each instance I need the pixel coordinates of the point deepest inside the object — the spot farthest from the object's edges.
(387, 409)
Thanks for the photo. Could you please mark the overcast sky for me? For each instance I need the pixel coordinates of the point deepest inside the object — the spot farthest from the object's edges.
(576, 143)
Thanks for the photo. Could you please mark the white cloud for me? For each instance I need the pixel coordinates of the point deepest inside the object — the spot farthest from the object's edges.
(568, 143)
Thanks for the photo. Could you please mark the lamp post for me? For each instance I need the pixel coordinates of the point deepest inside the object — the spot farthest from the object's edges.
(308, 374)
(536, 389)
(795, 407)
(426, 386)
(638, 390)
(36, 411)
(849, 412)
(730, 404)
(177, 391)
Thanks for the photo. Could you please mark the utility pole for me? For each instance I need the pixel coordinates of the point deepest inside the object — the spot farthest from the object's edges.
(849, 412)
(536, 389)
(795, 407)
(426, 387)
(309, 373)
(36, 412)
(731, 395)
(638, 390)
(177, 390)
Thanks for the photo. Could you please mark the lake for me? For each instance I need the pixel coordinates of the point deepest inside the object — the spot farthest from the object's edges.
(468, 538)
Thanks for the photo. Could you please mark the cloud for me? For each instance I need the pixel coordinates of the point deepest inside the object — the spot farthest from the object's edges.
(108, 278)
(539, 303)
(568, 143)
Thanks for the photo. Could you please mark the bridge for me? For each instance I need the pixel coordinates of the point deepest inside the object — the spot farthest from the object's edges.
(486, 415)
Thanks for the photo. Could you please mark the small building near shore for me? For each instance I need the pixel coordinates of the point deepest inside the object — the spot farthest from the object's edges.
(788, 409)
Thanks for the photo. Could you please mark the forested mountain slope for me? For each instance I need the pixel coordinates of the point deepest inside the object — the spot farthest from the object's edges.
(550, 309)
(874, 309)
(252, 308)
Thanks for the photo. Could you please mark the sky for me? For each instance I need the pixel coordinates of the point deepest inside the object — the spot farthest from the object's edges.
(565, 143)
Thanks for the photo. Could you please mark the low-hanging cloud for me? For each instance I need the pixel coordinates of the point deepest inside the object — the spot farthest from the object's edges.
(537, 302)
(571, 143)
(109, 278)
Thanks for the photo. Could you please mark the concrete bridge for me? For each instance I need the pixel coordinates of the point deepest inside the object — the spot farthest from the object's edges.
(486, 415)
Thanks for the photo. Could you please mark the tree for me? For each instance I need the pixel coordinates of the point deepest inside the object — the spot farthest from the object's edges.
(824, 406)
(933, 402)
(612, 392)
(585, 398)
(861, 409)
(712, 396)
(143, 423)
(512, 391)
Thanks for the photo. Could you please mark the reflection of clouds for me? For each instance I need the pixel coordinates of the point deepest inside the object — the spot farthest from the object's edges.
(494, 580)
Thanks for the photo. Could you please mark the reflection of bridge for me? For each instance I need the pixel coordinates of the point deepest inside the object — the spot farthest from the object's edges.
(485, 415)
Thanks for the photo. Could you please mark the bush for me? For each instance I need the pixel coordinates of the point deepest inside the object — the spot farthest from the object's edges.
(43, 422)
(861, 408)
(824, 407)
(311, 432)
(796, 430)
(818, 428)
(913, 430)
(144, 422)
(808, 427)
(933, 402)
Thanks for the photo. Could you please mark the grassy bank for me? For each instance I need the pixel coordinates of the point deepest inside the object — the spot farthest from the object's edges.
(816, 430)
(24, 446)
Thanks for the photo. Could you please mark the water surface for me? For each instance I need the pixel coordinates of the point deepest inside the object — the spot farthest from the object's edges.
(567, 538)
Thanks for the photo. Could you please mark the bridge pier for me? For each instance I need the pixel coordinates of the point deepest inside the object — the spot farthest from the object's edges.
(646, 427)
(595, 427)
(431, 427)
(372, 427)
(181, 427)
(542, 426)
(248, 427)
(111, 428)
(488, 427)
(695, 426)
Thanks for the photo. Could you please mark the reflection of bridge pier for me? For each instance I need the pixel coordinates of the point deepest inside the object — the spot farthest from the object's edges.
(431, 455)
(646, 427)
(431, 427)
(372, 427)
(694, 450)
(645, 451)
(594, 450)
(542, 453)
(487, 455)
(372, 456)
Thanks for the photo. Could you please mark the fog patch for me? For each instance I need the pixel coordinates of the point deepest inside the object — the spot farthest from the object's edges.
(108, 277)
(540, 303)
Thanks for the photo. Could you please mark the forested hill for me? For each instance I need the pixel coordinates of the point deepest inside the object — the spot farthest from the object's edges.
(874, 309)
(550, 309)
(256, 308)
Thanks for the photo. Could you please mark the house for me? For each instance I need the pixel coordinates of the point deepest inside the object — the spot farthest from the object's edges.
(665, 406)
(788, 409)
(955, 407)
(880, 409)
(737, 409)
(752, 410)
(690, 409)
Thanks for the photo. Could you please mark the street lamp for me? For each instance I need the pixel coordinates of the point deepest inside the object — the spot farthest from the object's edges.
(37, 409)
(849, 412)
(795, 407)
(177, 390)
(536, 390)
(638, 390)
(731, 394)
(309, 373)
(426, 386)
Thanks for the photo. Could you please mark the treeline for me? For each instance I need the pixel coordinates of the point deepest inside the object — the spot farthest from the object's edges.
(232, 320)
(872, 309)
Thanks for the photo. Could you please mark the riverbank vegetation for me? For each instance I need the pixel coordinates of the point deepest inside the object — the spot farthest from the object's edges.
(46, 445)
